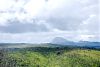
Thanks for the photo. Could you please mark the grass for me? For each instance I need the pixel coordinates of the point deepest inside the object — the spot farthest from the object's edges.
(53, 57)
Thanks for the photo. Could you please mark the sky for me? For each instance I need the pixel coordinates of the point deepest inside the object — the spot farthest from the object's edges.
(39, 21)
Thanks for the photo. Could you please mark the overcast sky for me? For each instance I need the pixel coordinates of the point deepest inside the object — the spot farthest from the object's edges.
(39, 21)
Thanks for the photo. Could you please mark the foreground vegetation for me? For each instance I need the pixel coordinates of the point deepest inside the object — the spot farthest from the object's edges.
(50, 57)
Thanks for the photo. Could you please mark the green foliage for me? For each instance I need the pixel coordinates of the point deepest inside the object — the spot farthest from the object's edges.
(54, 57)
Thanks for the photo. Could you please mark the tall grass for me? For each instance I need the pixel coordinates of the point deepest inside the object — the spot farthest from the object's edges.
(52, 57)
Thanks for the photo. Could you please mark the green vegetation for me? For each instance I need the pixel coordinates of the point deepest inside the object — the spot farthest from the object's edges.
(52, 57)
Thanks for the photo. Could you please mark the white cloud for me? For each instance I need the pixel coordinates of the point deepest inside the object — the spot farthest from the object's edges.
(91, 25)
(45, 37)
(34, 7)
(56, 16)
(86, 37)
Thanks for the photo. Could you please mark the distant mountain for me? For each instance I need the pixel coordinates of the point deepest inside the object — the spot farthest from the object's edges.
(89, 44)
(24, 45)
(56, 42)
(62, 41)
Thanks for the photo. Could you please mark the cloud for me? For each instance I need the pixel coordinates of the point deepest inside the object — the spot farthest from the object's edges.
(71, 16)
(44, 37)
(91, 24)
(16, 26)
(57, 16)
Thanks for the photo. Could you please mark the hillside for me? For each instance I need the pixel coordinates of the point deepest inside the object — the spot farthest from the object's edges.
(52, 57)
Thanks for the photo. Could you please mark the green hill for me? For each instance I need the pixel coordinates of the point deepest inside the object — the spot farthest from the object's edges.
(52, 57)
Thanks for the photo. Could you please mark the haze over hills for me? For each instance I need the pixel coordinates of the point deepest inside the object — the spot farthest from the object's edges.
(62, 41)
(58, 41)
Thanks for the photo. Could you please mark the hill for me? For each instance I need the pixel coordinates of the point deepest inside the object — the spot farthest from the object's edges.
(51, 57)
(64, 42)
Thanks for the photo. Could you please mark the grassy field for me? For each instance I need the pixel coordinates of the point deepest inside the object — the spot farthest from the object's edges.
(52, 57)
